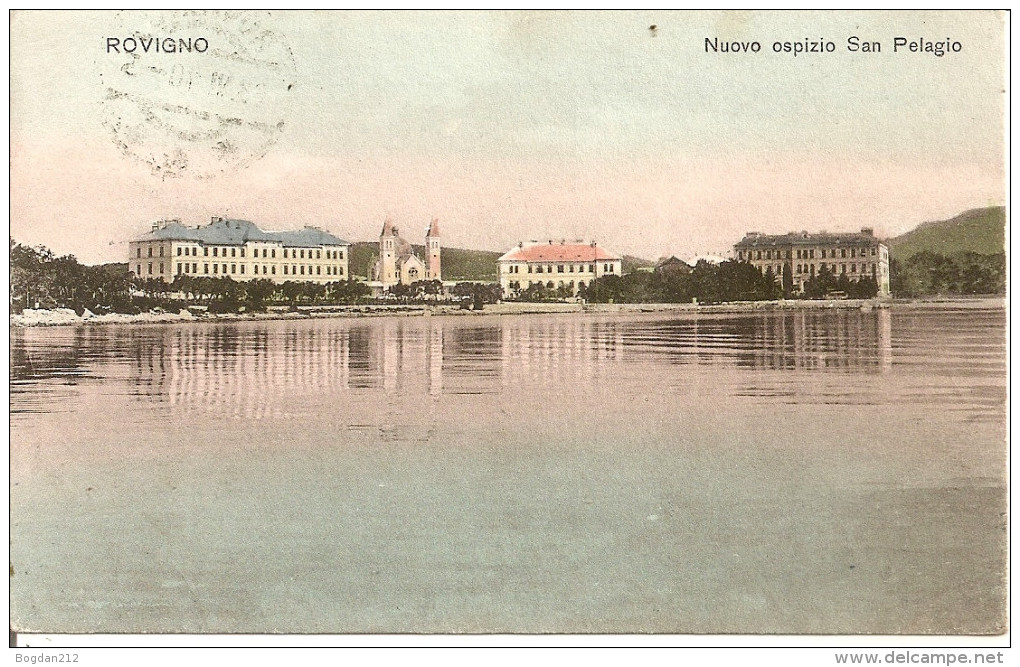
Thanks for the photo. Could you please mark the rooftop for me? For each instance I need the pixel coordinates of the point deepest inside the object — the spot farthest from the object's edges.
(225, 231)
(865, 237)
(557, 252)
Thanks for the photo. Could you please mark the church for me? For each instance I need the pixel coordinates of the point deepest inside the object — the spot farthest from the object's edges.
(399, 265)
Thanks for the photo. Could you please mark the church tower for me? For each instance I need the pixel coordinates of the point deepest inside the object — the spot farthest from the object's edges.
(432, 249)
(387, 255)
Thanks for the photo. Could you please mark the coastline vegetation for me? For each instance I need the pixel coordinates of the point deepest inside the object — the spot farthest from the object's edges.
(41, 279)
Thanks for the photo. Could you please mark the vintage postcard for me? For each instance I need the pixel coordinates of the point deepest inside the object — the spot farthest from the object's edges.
(509, 322)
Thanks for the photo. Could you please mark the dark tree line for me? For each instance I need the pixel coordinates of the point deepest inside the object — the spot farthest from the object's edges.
(826, 283)
(708, 283)
(40, 279)
(928, 273)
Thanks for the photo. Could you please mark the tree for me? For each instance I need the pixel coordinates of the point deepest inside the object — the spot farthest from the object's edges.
(787, 280)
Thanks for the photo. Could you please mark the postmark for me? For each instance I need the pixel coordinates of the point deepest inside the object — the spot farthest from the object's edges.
(195, 94)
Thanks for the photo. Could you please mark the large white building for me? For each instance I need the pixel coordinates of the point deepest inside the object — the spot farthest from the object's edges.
(240, 250)
(555, 264)
(852, 254)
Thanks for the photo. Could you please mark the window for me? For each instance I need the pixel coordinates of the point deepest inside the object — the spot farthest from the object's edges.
(302, 266)
(224, 268)
(340, 270)
(302, 254)
(853, 268)
(256, 269)
(284, 269)
(571, 268)
(529, 268)
(206, 269)
(539, 269)
(139, 251)
(138, 267)
(768, 254)
(161, 267)
(811, 253)
(559, 268)
(233, 268)
(798, 257)
(273, 253)
(872, 252)
(150, 268)
(340, 255)
(242, 268)
(179, 251)
(285, 253)
(150, 251)
(242, 252)
(842, 252)
(215, 267)
(179, 267)
(759, 255)
(215, 252)
(160, 251)
(233, 253)
(591, 268)
(842, 268)
(205, 253)
(194, 267)
(318, 254)
(272, 270)
(318, 270)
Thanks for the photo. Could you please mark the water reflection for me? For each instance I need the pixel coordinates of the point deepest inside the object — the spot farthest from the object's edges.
(253, 370)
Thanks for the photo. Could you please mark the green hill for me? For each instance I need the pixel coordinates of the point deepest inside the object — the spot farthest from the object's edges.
(458, 263)
(980, 230)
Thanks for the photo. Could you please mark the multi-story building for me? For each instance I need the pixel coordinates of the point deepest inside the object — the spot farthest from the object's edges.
(855, 255)
(399, 265)
(240, 250)
(555, 264)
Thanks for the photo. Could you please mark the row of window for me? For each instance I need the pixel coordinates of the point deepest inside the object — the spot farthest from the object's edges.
(217, 251)
(806, 253)
(833, 268)
(562, 268)
(516, 284)
(810, 268)
(292, 270)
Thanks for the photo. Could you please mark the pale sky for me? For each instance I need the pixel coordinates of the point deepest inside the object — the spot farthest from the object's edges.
(505, 126)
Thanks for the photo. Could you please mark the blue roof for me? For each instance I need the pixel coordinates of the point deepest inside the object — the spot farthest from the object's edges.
(238, 232)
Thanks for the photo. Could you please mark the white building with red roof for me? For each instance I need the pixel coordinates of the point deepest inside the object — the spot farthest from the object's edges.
(556, 264)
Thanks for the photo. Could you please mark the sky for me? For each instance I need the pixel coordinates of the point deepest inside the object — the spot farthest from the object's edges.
(505, 126)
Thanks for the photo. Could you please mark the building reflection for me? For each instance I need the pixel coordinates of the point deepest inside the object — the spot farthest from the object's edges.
(250, 371)
(837, 339)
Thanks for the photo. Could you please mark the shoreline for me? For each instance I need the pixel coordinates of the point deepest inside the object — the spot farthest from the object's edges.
(68, 317)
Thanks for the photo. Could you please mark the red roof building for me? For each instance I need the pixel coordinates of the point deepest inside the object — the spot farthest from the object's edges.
(562, 266)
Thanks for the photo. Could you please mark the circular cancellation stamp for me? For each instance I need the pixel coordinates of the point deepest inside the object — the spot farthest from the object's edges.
(194, 93)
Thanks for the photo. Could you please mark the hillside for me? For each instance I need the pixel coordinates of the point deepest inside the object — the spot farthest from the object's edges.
(458, 263)
(980, 230)
(631, 263)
